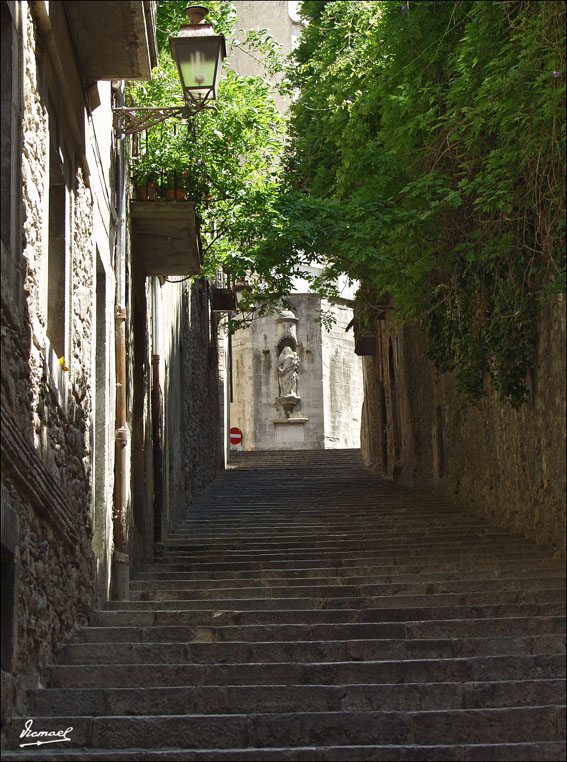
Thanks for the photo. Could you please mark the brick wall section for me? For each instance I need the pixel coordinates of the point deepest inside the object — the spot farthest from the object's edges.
(506, 465)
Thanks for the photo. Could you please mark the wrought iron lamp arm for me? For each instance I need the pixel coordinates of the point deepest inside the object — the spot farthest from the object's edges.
(129, 120)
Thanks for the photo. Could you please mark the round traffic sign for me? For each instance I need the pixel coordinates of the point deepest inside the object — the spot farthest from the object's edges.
(235, 436)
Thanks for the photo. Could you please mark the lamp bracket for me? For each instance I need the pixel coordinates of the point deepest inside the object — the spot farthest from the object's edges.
(129, 120)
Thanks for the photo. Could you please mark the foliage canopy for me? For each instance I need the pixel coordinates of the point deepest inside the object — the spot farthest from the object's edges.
(425, 158)
(226, 158)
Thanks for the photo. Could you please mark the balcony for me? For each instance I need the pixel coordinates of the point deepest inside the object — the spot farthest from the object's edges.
(365, 323)
(223, 294)
(364, 340)
(116, 40)
(164, 237)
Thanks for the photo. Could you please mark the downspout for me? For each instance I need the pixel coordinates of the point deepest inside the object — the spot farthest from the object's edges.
(156, 409)
(120, 559)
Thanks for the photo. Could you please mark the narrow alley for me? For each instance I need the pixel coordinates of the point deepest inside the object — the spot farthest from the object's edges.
(283, 380)
(307, 609)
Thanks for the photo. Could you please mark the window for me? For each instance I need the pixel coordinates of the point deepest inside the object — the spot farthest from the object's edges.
(8, 602)
(57, 245)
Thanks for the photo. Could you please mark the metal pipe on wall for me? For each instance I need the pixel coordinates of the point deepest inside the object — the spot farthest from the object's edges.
(120, 559)
(156, 408)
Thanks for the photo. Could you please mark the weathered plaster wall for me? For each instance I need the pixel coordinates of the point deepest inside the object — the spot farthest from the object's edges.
(506, 465)
(342, 381)
(46, 480)
(100, 157)
(329, 381)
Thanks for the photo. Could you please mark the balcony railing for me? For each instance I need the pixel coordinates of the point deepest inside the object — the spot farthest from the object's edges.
(223, 295)
(165, 183)
(164, 189)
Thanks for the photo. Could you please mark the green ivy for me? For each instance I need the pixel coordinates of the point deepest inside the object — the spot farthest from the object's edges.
(427, 159)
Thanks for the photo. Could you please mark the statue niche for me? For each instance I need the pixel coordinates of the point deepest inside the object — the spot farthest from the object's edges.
(288, 364)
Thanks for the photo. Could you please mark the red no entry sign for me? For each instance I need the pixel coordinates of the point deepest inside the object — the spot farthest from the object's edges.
(235, 436)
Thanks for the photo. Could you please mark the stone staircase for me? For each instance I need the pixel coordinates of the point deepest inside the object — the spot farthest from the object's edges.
(309, 610)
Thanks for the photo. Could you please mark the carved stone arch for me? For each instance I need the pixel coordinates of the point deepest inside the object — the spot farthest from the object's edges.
(287, 341)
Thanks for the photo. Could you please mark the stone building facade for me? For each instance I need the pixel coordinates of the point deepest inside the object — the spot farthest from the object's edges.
(507, 465)
(328, 384)
(280, 18)
(109, 382)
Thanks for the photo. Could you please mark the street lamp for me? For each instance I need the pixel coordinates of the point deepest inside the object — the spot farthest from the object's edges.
(198, 53)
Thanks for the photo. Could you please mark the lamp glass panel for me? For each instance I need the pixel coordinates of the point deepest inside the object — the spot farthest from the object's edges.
(219, 68)
(197, 63)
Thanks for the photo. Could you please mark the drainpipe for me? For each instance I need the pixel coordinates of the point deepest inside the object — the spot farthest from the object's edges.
(120, 559)
(156, 409)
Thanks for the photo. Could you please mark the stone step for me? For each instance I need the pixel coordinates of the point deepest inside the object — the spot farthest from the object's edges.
(269, 562)
(244, 652)
(515, 667)
(161, 599)
(329, 456)
(342, 618)
(337, 576)
(419, 517)
(230, 699)
(448, 628)
(426, 567)
(459, 540)
(428, 521)
(149, 616)
(518, 724)
(458, 550)
(374, 497)
(546, 751)
(258, 531)
(149, 590)
(311, 538)
(268, 516)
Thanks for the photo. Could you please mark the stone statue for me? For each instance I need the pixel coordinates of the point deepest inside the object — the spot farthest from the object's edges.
(288, 363)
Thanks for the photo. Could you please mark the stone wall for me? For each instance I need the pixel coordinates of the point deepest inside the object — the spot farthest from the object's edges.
(46, 415)
(506, 465)
(342, 381)
(193, 454)
(50, 428)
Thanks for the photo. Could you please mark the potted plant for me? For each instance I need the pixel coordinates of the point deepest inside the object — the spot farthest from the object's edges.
(176, 166)
(146, 171)
(174, 189)
(146, 182)
(163, 161)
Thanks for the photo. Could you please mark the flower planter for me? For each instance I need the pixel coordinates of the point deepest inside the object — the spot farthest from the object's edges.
(176, 194)
(148, 191)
